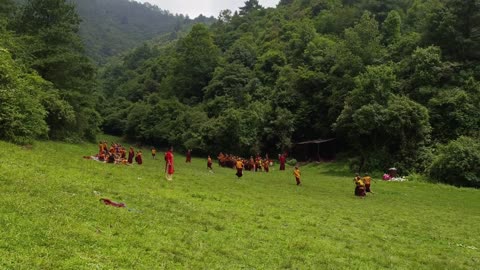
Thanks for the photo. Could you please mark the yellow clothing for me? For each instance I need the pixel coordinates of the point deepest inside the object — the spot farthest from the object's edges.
(367, 180)
(154, 151)
(360, 183)
(239, 164)
(297, 173)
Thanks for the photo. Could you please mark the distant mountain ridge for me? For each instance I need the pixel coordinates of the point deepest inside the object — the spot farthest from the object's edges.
(110, 27)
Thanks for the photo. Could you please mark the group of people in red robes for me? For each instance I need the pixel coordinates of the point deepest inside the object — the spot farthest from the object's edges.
(116, 154)
(257, 163)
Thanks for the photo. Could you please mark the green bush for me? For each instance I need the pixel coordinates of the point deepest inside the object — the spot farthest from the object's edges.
(22, 116)
(457, 163)
(292, 162)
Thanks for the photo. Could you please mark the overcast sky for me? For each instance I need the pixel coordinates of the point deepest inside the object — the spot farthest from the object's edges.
(206, 7)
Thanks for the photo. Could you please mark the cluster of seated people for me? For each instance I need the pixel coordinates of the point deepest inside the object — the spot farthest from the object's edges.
(116, 154)
(253, 164)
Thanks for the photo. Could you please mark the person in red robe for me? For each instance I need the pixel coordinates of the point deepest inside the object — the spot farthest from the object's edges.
(209, 163)
(169, 168)
(100, 147)
(266, 165)
(139, 158)
(282, 159)
(189, 156)
(131, 154)
(123, 153)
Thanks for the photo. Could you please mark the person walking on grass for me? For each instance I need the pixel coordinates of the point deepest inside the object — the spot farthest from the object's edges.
(209, 164)
(297, 174)
(169, 168)
(239, 167)
(367, 180)
(359, 186)
(154, 153)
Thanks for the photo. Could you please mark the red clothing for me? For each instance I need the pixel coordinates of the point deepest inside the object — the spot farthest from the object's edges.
(282, 160)
(169, 160)
(209, 163)
(138, 159)
(131, 154)
(189, 156)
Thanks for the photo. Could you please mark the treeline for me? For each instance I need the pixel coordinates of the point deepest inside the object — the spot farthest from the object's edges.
(111, 27)
(47, 85)
(391, 80)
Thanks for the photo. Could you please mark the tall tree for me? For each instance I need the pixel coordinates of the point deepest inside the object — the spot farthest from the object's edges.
(51, 29)
(196, 59)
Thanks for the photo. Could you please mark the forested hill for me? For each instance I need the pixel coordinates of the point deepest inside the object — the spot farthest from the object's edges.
(391, 80)
(110, 27)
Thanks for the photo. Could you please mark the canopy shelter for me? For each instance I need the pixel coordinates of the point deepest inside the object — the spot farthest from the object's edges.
(314, 150)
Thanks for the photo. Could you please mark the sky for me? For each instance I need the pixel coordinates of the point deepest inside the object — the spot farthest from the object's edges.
(193, 8)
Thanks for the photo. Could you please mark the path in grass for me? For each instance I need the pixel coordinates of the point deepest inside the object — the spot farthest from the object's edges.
(50, 217)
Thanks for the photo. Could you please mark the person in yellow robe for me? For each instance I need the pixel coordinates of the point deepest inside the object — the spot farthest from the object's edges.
(367, 180)
(239, 167)
(297, 174)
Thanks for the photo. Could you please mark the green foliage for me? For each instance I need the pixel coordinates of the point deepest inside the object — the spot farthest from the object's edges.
(364, 39)
(48, 31)
(382, 125)
(213, 221)
(454, 26)
(454, 113)
(457, 163)
(22, 116)
(392, 27)
(111, 27)
(382, 77)
(196, 59)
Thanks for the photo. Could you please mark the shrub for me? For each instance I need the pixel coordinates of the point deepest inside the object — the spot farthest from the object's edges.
(292, 162)
(457, 163)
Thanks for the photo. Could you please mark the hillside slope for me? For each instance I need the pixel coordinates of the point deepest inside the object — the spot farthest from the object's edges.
(51, 217)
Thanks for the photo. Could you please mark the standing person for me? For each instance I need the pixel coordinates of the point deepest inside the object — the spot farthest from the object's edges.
(209, 164)
(239, 166)
(266, 163)
(100, 147)
(282, 159)
(139, 158)
(131, 154)
(367, 180)
(359, 186)
(154, 153)
(123, 153)
(169, 168)
(189, 156)
(297, 175)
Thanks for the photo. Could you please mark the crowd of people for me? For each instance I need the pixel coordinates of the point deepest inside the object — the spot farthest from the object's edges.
(117, 154)
(256, 164)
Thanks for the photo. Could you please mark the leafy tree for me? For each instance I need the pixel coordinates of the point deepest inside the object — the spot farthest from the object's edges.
(392, 27)
(454, 113)
(364, 39)
(50, 27)
(22, 116)
(382, 126)
(250, 6)
(457, 163)
(196, 58)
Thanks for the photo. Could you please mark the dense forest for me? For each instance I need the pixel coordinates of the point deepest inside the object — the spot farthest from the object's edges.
(396, 82)
(111, 27)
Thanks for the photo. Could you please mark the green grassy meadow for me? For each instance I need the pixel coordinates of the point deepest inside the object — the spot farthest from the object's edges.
(51, 217)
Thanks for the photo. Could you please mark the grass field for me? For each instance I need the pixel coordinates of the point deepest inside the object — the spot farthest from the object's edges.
(51, 218)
